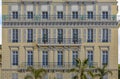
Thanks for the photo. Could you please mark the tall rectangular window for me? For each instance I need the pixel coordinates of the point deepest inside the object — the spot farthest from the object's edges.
(105, 35)
(74, 56)
(60, 35)
(29, 58)
(90, 58)
(75, 15)
(104, 57)
(45, 15)
(90, 15)
(75, 35)
(45, 35)
(104, 15)
(14, 57)
(30, 35)
(30, 15)
(15, 15)
(45, 58)
(90, 35)
(60, 58)
(60, 15)
(14, 76)
(15, 35)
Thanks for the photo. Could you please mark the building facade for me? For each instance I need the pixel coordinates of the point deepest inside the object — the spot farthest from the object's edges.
(49, 34)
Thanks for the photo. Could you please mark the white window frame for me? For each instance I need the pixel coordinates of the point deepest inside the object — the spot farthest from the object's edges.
(45, 58)
(16, 55)
(30, 60)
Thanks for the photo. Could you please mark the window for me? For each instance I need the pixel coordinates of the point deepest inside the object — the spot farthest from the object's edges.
(29, 58)
(60, 35)
(30, 15)
(104, 15)
(15, 35)
(59, 76)
(104, 57)
(74, 56)
(60, 58)
(90, 58)
(15, 15)
(45, 15)
(60, 15)
(90, 35)
(75, 15)
(90, 15)
(45, 58)
(30, 35)
(75, 35)
(14, 76)
(45, 35)
(14, 57)
(105, 35)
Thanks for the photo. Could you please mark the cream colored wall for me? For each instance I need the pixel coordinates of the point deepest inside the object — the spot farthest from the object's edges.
(113, 54)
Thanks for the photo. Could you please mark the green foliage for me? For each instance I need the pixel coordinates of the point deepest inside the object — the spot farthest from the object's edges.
(119, 71)
(80, 69)
(35, 73)
(102, 72)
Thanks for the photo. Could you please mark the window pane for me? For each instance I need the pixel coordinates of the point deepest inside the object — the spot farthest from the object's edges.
(45, 15)
(74, 15)
(15, 15)
(15, 57)
(30, 58)
(74, 56)
(90, 58)
(45, 35)
(90, 15)
(15, 35)
(60, 35)
(29, 15)
(30, 35)
(105, 35)
(45, 58)
(60, 58)
(60, 15)
(90, 35)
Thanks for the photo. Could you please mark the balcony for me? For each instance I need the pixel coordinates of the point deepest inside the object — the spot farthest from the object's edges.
(36, 0)
(54, 65)
(53, 18)
(56, 41)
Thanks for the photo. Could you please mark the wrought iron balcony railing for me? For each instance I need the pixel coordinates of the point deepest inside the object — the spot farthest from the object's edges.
(54, 65)
(60, 0)
(54, 18)
(53, 41)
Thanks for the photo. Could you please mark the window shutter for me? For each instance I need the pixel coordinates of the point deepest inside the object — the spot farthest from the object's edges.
(64, 35)
(34, 35)
(39, 35)
(79, 35)
(55, 35)
(94, 35)
(70, 35)
(109, 35)
(10, 35)
(49, 35)
(100, 35)
(25, 35)
(85, 35)
(49, 32)
(19, 35)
